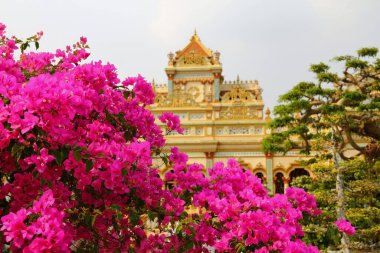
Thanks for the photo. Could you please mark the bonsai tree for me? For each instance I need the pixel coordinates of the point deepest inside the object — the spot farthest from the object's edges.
(333, 117)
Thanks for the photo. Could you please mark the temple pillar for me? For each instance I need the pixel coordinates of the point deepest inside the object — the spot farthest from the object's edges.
(216, 87)
(170, 84)
(269, 167)
(209, 159)
(286, 183)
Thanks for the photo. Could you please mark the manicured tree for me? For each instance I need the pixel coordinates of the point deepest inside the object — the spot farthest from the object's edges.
(331, 116)
(76, 162)
(362, 204)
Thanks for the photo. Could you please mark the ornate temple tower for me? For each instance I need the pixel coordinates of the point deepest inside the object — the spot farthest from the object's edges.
(195, 69)
(221, 119)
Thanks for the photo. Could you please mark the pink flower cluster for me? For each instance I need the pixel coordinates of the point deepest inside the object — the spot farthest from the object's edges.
(172, 121)
(39, 228)
(345, 226)
(69, 128)
(234, 207)
(77, 152)
(142, 90)
(304, 201)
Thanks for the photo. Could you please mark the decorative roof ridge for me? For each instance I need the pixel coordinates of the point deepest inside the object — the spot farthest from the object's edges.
(238, 82)
(194, 39)
(159, 85)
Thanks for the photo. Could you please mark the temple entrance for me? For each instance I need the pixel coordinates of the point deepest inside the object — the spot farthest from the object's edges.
(279, 183)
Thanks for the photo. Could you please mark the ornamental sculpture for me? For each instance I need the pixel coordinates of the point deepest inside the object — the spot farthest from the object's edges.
(179, 98)
(238, 112)
(240, 95)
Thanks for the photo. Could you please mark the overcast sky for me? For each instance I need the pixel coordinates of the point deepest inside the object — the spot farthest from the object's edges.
(273, 41)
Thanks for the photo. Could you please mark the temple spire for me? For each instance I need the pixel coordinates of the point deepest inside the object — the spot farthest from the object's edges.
(195, 36)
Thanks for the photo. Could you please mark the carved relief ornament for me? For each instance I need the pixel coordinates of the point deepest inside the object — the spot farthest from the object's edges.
(180, 98)
(238, 95)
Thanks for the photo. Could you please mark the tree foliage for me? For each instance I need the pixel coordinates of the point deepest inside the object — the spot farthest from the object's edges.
(362, 207)
(342, 108)
(336, 116)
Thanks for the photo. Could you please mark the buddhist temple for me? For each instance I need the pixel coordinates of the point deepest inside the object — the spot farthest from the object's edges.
(222, 119)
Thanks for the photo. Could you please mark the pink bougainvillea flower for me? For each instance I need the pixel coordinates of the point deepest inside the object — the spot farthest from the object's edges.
(345, 226)
(28, 122)
(172, 121)
(5, 137)
(141, 88)
(2, 29)
(41, 161)
(83, 40)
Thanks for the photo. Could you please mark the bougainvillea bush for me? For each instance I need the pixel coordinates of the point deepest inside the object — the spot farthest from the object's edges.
(76, 162)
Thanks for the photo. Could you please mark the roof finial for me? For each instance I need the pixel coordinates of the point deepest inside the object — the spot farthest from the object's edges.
(238, 78)
(154, 86)
(195, 36)
(267, 113)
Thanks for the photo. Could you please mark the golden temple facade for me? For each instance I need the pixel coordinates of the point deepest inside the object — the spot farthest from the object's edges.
(222, 119)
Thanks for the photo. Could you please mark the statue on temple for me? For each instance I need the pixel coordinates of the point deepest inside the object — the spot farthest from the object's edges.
(171, 59)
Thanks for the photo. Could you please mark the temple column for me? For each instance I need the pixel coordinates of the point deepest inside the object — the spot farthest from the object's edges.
(216, 87)
(286, 183)
(170, 84)
(209, 159)
(269, 167)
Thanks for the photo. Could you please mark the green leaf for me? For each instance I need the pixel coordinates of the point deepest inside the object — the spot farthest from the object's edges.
(16, 150)
(46, 182)
(126, 94)
(118, 215)
(89, 164)
(77, 155)
(24, 47)
(189, 245)
(184, 215)
(35, 173)
(115, 207)
(151, 215)
(37, 44)
(88, 220)
(59, 156)
(134, 218)
(93, 219)
(6, 101)
(165, 160)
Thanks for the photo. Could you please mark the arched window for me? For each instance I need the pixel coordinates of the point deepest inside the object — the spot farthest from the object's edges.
(260, 175)
(297, 172)
(279, 182)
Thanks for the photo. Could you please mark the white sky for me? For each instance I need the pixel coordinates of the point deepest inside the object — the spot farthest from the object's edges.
(273, 41)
